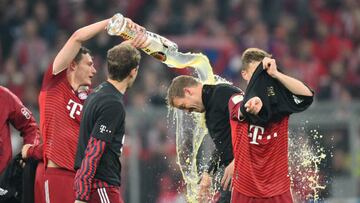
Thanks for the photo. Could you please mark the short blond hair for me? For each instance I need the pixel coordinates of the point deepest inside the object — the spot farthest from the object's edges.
(176, 88)
(253, 55)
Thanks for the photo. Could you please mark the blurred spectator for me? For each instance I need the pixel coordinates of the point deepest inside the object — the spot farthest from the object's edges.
(316, 41)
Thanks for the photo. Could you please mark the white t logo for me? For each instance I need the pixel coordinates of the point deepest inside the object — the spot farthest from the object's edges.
(256, 133)
(102, 128)
(73, 108)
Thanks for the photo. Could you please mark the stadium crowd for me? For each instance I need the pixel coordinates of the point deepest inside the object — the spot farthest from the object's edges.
(316, 41)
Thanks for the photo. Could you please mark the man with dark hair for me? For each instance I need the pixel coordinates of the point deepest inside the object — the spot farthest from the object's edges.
(189, 94)
(102, 130)
(64, 90)
(260, 143)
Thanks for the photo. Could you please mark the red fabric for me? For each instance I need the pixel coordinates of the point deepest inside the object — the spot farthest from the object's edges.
(237, 197)
(39, 191)
(60, 109)
(36, 151)
(13, 112)
(261, 156)
(59, 185)
(106, 195)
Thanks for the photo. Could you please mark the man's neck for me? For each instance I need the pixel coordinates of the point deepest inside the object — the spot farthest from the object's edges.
(72, 81)
(120, 86)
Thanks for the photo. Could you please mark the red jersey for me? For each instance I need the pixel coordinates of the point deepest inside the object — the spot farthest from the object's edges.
(60, 108)
(261, 155)
(13, 112)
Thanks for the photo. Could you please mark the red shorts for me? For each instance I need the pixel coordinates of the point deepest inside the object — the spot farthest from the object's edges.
(237, 197)
(106, 195)
(39, 192)
(59, 185)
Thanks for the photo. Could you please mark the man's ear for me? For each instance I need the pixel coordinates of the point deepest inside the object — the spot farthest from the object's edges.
(133, 72)
(243, 74)
(73, 65)
(187, 91)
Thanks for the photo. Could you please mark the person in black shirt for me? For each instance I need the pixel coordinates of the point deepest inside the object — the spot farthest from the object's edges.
(189, 94)
(102, 130)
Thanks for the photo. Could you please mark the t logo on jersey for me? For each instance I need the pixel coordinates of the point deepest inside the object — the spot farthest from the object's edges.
(103, 129)
(255, 133)
(74, 108)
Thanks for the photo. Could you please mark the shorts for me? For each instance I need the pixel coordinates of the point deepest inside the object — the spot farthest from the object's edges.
(105, 195)
(39, 191)
(240, 198)
(59, 185)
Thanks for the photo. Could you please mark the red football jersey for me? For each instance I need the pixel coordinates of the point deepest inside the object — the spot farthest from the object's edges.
(13, 112)
(60, 108)
(261, 155)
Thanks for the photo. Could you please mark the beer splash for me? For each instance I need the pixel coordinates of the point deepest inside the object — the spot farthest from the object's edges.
(190, 127)
(305, 157)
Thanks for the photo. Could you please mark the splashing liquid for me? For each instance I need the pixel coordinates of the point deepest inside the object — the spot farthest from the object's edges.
(304, 162)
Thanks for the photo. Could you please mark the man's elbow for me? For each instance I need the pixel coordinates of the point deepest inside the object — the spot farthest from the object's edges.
(76, 36)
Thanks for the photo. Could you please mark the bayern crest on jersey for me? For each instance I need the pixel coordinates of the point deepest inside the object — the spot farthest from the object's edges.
(83, 95)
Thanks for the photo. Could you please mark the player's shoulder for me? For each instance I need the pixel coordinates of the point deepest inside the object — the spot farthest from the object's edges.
(229, 88)
(235, 99)
(4, 89)
(6, 93)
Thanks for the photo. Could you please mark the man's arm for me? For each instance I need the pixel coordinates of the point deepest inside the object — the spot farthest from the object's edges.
(22, 119)
(72, 46)
(85, 174)
(293, 85)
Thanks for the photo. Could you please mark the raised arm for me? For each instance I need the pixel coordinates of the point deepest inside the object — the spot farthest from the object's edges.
(293, 85)
(72, 46)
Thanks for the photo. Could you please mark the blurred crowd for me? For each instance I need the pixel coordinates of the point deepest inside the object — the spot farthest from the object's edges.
(315, 41)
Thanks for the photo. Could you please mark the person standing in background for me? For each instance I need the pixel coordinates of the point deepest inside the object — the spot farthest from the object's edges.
(13, 112)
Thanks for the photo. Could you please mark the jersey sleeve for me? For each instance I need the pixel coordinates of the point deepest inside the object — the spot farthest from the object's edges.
(111, 115)
(234, 105)
(22, 119)
(86, 173)
(50, 78)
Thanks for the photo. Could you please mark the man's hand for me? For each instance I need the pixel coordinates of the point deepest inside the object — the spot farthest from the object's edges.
(204, 192)
(226, 179)
(79, 201)
(270, 66)
(141, 39)
(25, 150)
(253, 105)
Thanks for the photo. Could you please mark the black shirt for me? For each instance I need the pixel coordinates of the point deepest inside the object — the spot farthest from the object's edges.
(277, 100)
(215, 99)
(103, 118)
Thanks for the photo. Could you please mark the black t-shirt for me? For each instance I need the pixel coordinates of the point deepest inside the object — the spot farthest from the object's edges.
(277, 100)
(103, 118)
(215, 99)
